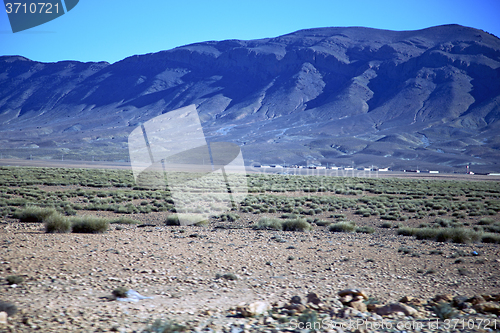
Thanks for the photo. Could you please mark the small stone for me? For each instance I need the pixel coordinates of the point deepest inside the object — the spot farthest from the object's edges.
(476, 300)
(346, 299)
(406, 299)
(296, 307)
(345, 312)
(296, 300)
(253, 309)
(394, 308)
(3, 318)
(353, 292)
(358, 305)
(357, 298)
(313, 306)
(443, 298)
(313, 298)
(488, 307)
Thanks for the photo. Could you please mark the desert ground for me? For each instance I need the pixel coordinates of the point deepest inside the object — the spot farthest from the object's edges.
(210, 278)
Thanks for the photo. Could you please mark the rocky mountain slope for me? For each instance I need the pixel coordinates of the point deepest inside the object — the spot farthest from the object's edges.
(427, 98)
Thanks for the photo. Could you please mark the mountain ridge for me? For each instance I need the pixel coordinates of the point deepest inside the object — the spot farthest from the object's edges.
(394, 98)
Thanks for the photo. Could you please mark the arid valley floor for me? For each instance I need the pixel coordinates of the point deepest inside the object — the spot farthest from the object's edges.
(199, 275)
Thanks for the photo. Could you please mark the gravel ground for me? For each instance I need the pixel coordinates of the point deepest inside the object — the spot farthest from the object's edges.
(69, 278)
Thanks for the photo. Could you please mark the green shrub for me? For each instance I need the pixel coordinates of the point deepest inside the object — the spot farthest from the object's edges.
(342, 227)
(386, 225)
(406, 231)
(202, 223)
(486, 221)
(167, 326)
(9, 308)
(269, 223)
(491, 238)
(231, 217)
(365, 230)
(33, 213)
(172, 220)
(443, 222)
(296, 225)
(322, 223)
(120, 292)
(444, 311)
(14, 279)
(404, 250)
(308, 318)
(228, 276)
(57, 223)
(89, 224)
(456, 235)
(124, 220)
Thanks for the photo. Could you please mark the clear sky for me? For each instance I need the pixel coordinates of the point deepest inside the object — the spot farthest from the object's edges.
(110, 30)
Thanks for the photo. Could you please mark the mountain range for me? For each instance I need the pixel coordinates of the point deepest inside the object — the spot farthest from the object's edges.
(353, 96)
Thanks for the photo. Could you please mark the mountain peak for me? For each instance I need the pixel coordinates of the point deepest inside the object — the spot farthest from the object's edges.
(332, 95)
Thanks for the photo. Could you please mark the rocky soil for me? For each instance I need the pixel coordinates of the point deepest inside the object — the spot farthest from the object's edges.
(220, 279)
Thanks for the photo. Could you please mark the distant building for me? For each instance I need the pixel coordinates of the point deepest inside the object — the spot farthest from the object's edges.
(382, 169)
(433, 171)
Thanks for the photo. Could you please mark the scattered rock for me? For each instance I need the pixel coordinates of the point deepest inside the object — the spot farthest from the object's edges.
(9, 308)
(296, 300)
(253, 309)
(313, 298)
(353, 293)
(476, 300)
(413, 301)
(395, 307)
(297, 307)
(353, 298)
(491, 298)
(358, 305)
(443, 298)
(488, 307)
(346, 299)
(3, 317)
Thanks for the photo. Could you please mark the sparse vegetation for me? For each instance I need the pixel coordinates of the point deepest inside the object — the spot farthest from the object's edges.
(120, 292)
(33, 214)
(14, 279)
(342, 227)
(296, 225)
(227, 276)
(324, 197)
(272, 223)
(89, 224)
(57, 223)
(444, 311)
(7, 307)
(124, 220)
(165, 326)
(456, 235)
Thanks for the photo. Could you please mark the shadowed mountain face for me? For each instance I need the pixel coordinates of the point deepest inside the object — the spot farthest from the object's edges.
(428, 98)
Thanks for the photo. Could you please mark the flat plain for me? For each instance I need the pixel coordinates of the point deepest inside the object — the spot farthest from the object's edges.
(293, 235)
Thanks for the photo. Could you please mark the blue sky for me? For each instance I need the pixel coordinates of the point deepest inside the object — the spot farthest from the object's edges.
(110, 30)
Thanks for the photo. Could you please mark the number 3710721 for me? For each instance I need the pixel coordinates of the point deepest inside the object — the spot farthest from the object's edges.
(32, 8)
